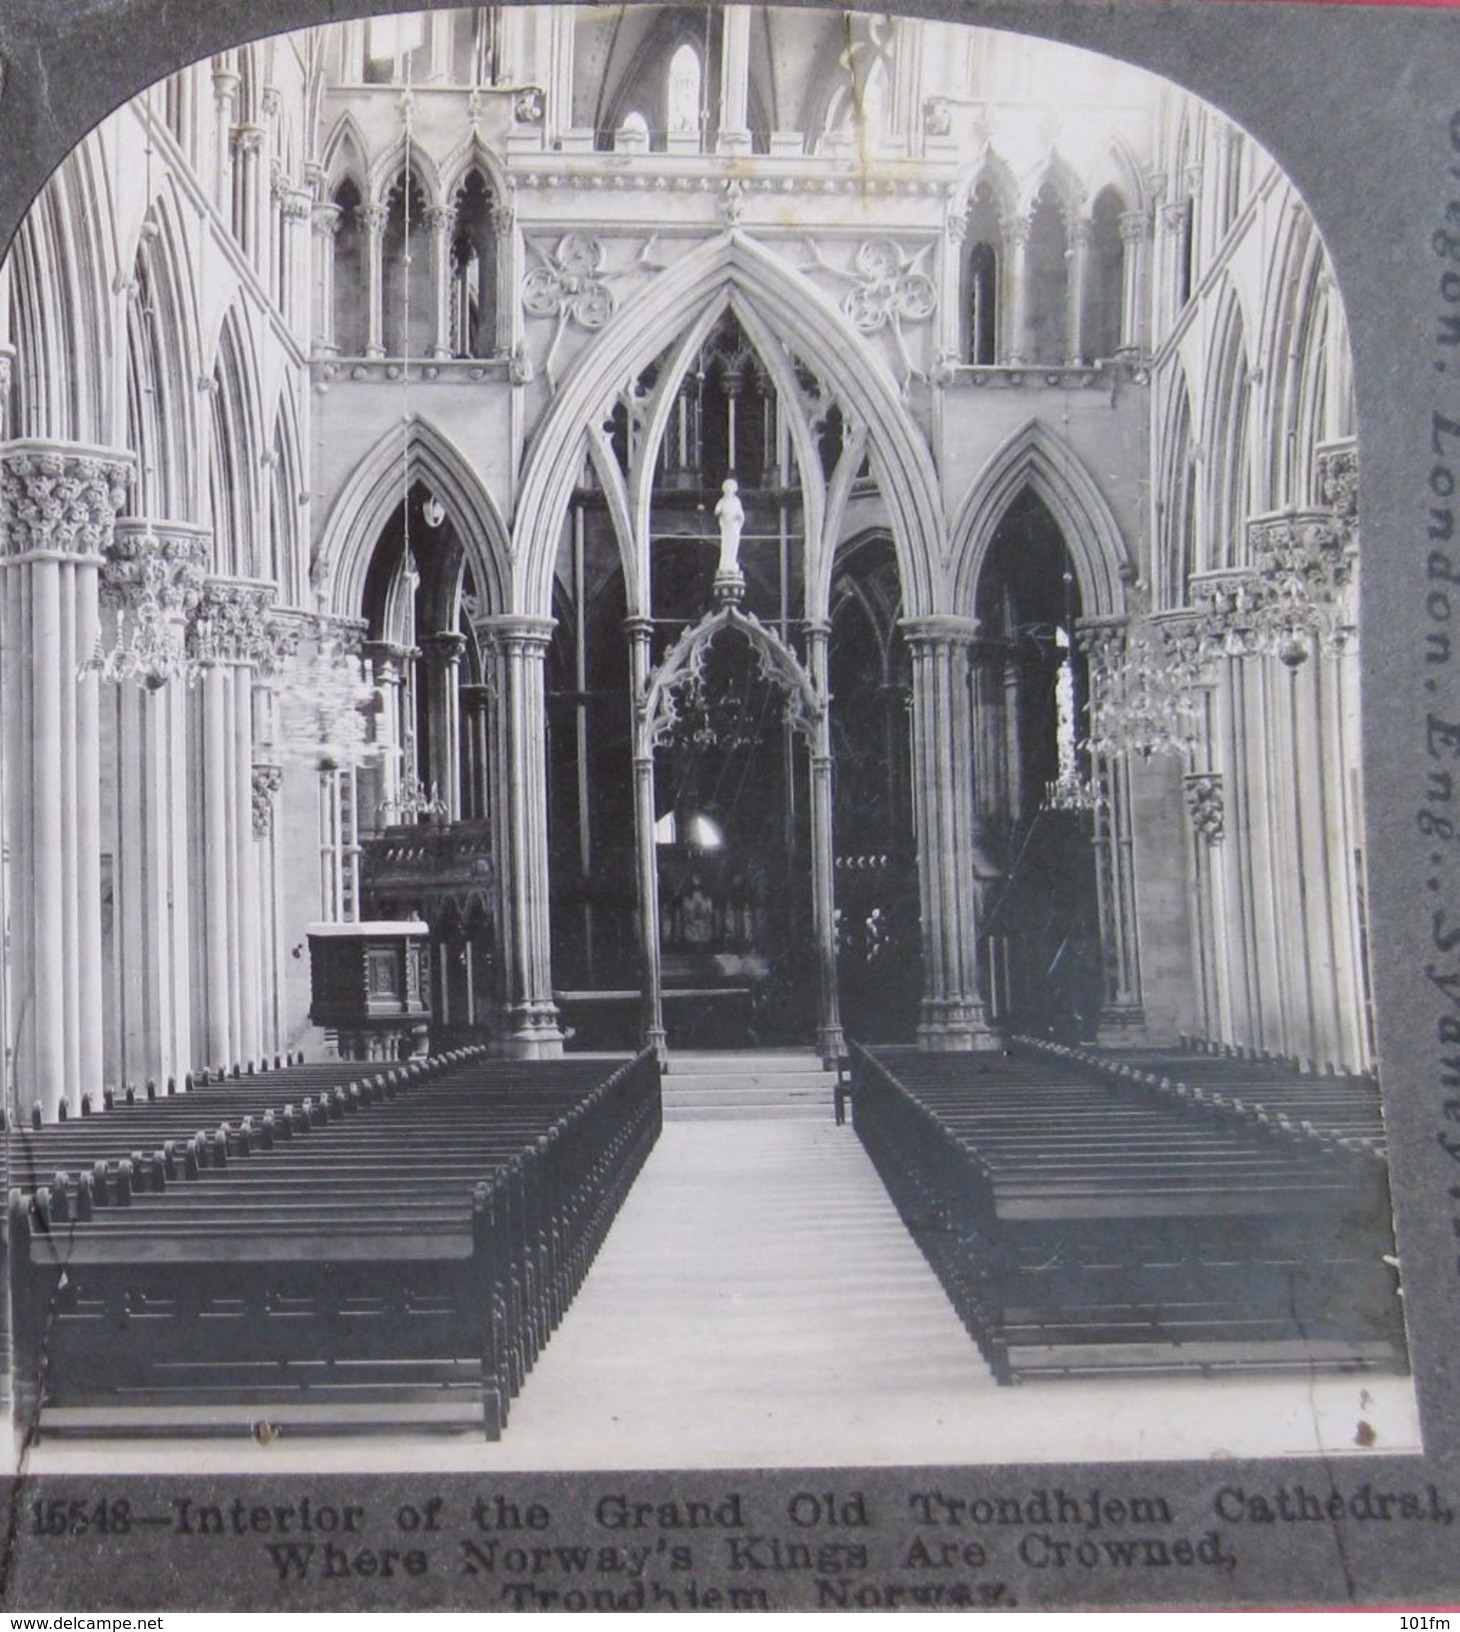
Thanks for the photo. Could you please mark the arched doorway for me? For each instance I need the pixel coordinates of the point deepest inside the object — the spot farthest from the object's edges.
(1041, 914)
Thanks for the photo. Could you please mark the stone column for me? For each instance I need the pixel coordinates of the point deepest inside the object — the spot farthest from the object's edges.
(952, 1010)
(295, 209)
(1015, 233)
(521, 644)
(443, 772)
(232, 634)
(954, 320)
(735, 81)
(328, 218)
(163, 563)
(830, 1042)
(441, 220)
(371, 219)
(640, 631)
(476, 702)
(225, 90)
(59, 503)
(249, 192)
(1077, 242)
(1135, 238)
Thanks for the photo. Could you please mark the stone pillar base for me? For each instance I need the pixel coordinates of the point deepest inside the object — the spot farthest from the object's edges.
(1122, 1025)
(956, 1028)
(831, 1045)
(533, 1033)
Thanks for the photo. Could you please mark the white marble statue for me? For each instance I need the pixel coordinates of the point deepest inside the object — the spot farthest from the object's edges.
(730, 513)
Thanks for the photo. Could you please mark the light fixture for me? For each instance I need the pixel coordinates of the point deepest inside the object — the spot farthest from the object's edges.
(412, 804)
(326, 705)
(1143, 689)
(1070, 791)
(155, 583)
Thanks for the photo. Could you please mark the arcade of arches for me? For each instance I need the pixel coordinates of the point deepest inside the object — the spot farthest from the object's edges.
(397, 369)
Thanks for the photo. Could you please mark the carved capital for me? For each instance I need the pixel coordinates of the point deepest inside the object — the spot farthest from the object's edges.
(1015, 230)
(939, 630)
(158, 565)
(233, 623)
(267, 780)
(59, 498)
(371, 218)
(441, 218)
(328, 219)
(445, 648)
(937, 116)
(1135, 226)
(1338, 487)
(1206, 806)
(248, 138)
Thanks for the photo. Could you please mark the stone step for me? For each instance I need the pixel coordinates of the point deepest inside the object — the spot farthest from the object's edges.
(690, 1063)
(747, 1113)
(749, 1094)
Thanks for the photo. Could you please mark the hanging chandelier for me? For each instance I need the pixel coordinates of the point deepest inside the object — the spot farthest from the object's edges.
(1144, 683)
(154, 581)
(412, 804)
(1071, 790)
(326, 706)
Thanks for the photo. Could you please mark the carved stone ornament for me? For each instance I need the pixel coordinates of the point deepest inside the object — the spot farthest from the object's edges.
(1338, 487)
(1206, 805)
(568, 284)
(682, 672)
(267, 780)
(153, 563)
(232, 623)
(890, 289)
(530, 108)
(68, 502)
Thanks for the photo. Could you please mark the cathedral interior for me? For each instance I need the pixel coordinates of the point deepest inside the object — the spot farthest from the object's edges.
(695, 528)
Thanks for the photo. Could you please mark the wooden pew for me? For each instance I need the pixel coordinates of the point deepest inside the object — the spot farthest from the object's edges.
(415, 1251)
(1081, 1225)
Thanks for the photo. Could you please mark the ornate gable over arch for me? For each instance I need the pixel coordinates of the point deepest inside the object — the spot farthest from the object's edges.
(376, 486)
(794, 311)
(1037, 458)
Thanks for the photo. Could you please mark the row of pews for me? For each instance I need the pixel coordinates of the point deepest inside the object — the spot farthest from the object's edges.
(1086, 1220)
(330, 1246)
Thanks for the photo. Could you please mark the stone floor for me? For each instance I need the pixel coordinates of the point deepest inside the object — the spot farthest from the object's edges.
(758, 1303)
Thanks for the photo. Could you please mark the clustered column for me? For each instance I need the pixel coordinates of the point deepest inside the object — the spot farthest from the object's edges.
(952, 1010)
(371, 219)
(519, 646)
(164, 562)
(230, 635)
(443, 774)
(640, 631)
(830, 1043)
(328, 219)
(59, 504)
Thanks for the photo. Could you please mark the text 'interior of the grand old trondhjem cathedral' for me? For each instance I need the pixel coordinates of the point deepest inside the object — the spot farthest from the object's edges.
(681, 777)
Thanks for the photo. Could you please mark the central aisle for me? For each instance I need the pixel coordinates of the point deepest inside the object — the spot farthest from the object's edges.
(759, 1303)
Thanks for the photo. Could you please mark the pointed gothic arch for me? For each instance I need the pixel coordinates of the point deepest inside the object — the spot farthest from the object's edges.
(1037, 458)
(374, 491)
(811, 326)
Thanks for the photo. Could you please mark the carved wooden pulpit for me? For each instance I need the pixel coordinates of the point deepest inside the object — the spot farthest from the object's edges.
(370, 986)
